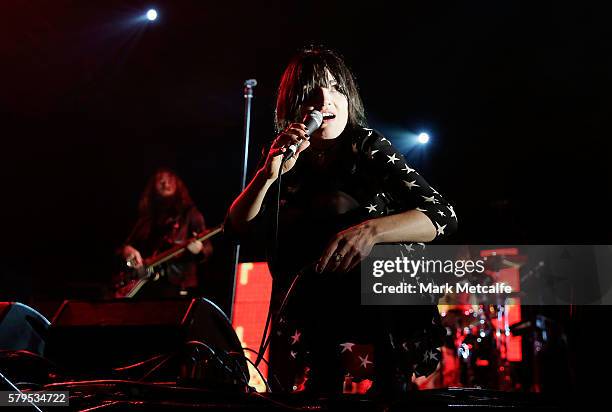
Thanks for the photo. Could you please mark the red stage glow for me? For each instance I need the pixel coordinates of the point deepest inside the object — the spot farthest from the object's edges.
(253, 289)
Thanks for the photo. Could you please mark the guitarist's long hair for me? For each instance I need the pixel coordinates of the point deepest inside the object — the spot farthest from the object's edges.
(157, 209)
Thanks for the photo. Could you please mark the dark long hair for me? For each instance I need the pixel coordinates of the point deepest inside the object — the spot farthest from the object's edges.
(154, 207)
(305, 72)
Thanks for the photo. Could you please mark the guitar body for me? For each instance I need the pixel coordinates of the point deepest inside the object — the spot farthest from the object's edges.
(130, 289)
(129, 283)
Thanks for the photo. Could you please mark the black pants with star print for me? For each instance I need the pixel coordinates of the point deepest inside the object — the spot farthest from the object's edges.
(325, 313)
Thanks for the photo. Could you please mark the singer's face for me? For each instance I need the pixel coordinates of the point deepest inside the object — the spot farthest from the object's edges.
(328, 100)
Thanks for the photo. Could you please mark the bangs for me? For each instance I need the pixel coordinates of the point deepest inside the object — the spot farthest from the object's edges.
(318, 73)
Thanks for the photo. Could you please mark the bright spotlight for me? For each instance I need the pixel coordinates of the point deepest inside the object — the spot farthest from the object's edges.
(423, 138)
(152, 14)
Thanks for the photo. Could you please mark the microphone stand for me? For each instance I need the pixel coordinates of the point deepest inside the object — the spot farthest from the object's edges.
(248, 97)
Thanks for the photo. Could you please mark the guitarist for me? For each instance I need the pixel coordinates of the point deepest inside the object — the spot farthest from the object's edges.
(167, 217)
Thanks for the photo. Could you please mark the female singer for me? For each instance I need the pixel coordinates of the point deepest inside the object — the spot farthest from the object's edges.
(346, 189)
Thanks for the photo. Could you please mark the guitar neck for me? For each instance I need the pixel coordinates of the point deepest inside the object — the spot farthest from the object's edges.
(175, 251)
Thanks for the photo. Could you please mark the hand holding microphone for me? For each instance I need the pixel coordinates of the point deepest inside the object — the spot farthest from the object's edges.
(312, 121)
(290, 143)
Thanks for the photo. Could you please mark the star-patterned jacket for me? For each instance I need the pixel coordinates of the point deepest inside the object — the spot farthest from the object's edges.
(360, 176)
(363, 176)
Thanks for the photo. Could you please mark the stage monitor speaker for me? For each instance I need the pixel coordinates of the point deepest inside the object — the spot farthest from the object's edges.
(93, 338)
(22, 328)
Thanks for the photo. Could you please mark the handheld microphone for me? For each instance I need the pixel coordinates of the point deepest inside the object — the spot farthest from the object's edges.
(313, 120)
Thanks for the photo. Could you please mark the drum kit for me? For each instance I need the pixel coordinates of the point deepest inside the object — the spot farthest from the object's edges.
(479, 332)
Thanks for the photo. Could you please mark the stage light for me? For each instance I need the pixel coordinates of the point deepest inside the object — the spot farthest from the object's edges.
(152, 15)
(423, 138)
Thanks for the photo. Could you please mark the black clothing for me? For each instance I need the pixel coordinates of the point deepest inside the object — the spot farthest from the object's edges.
(360, 176)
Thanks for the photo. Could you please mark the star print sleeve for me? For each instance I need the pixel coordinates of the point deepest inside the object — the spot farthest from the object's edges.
(404, 188)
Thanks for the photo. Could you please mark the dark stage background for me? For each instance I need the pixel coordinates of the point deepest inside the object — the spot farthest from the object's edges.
(92, 101)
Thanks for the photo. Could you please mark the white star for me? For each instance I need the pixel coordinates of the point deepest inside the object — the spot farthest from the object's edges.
(296, 337)
(412, 184)
(348, 346)
(293, 354)
(409, 248)
(441, 213)
(364, 361)
(373, 152)
(417, 344)
(385, 140)
(433, 355)
(405, 346)
(426, 356)
(407, 169)
(440, 229)
(452, 211)
(392, 158)
(431, 199)
(371, 208)
(421, 210)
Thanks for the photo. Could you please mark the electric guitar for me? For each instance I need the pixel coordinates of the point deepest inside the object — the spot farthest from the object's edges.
(127, 283)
